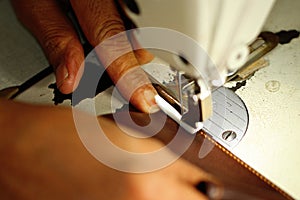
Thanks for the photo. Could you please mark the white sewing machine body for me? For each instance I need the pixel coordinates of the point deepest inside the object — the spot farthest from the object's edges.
(222, 28)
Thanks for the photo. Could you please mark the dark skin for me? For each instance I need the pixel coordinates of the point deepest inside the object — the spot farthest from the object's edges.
(99, 20)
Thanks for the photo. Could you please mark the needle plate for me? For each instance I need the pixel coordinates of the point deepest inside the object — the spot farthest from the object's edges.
(230, 119)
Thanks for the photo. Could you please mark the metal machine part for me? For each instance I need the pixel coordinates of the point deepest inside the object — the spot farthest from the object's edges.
(229, 121)
(263, 44)
(181, 101)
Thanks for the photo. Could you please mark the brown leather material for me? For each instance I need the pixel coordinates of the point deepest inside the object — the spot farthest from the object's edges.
(239, 180)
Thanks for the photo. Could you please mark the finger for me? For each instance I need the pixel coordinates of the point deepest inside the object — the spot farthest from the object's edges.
(100, 20)
(143, 56)
(57, 37)
(135, 86)
(200, 181)
(190, 193)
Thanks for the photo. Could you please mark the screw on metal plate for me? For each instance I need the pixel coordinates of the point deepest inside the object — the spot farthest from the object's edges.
(229, 135)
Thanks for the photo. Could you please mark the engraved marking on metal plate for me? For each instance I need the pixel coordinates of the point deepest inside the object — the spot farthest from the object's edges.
(230, 119)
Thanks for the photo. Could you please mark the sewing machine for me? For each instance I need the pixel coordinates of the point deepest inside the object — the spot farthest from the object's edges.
(212, 43)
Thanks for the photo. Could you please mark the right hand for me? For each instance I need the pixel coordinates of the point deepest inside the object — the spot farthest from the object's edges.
(42, 157)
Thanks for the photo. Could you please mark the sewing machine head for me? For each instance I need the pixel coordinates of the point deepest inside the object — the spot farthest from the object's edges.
(223, 29)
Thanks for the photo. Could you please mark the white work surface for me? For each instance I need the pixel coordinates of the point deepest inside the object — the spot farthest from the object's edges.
(272, 142)
(272, 95)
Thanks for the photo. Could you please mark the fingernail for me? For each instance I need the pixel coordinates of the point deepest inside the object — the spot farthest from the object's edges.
(209, 189)
(153, 109)
(149, 97)
(61, 75)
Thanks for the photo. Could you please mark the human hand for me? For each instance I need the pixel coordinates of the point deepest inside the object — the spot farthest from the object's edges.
(99, 20)
(42, 157)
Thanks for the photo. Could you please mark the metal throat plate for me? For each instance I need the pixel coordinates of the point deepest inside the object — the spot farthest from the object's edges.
(230, 118)
(229, 121)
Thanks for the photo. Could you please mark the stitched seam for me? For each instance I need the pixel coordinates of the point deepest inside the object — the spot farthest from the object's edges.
(239, 161)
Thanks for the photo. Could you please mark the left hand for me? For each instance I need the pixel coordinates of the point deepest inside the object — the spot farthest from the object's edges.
(99, 20)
